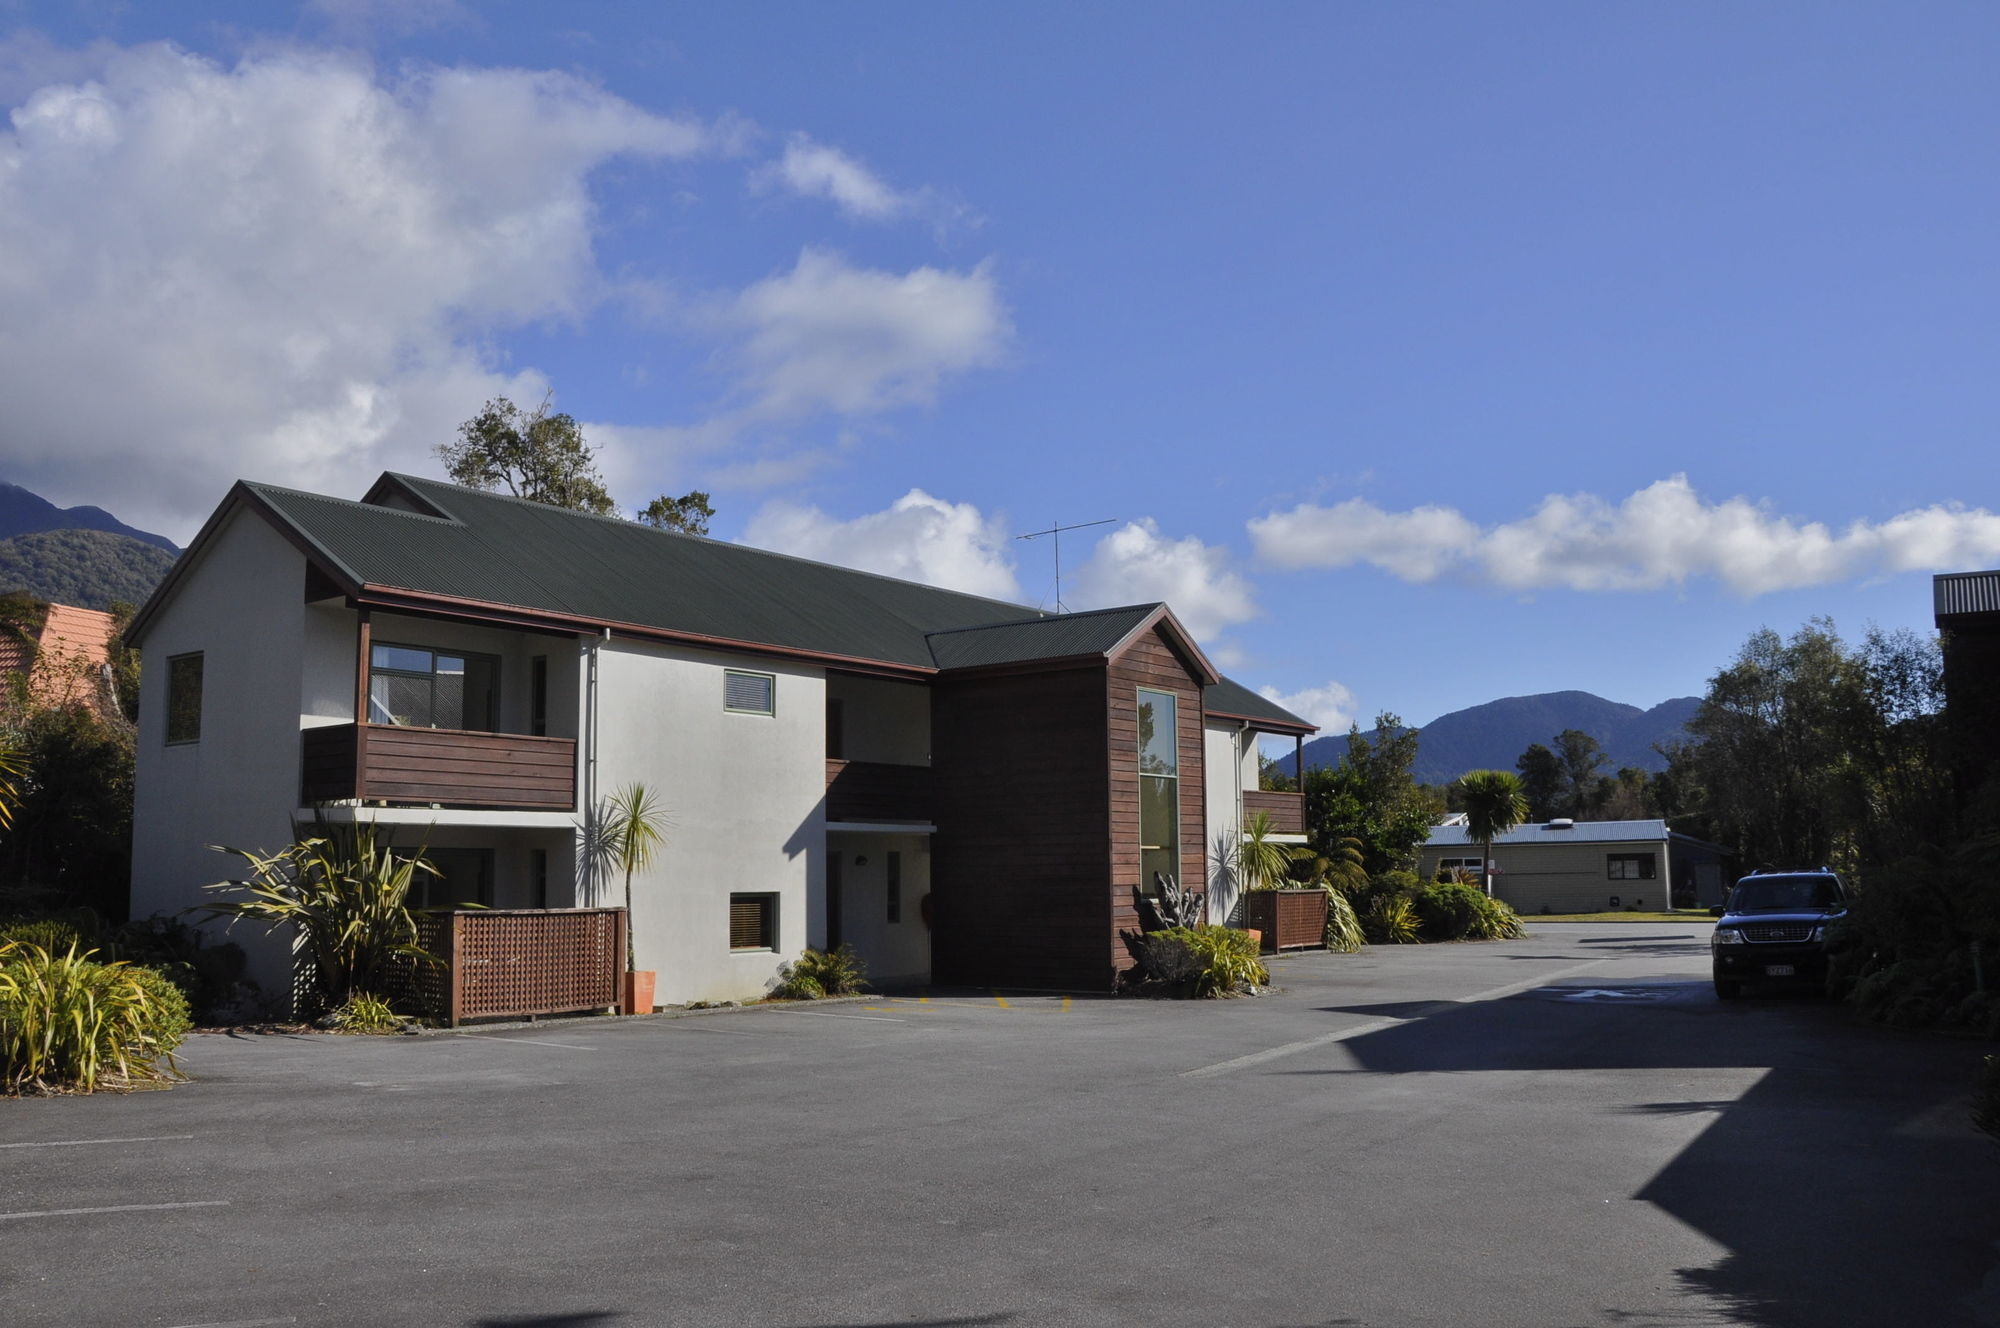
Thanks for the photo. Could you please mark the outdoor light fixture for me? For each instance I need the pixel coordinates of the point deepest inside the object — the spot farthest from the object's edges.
(861, 859)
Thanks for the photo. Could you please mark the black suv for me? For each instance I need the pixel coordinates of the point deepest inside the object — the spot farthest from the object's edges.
(1774, 930)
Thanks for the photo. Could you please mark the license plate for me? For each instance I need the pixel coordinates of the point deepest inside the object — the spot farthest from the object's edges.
(1777, 970)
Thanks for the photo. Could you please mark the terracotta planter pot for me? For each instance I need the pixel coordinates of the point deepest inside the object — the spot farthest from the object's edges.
(639, 991)
(1256, 937)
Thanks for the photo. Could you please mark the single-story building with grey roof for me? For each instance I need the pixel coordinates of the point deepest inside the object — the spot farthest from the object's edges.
(1566, 866)
(964, 789)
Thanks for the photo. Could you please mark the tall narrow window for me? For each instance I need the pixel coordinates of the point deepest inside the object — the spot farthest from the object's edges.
(895, 865)
(538, 872)
(1159, 788)
(184, 698)
(538, 696)
(432, 689)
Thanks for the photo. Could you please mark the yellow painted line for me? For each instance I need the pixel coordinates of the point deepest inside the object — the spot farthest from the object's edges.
(1001, 1001)
(1065, 1005)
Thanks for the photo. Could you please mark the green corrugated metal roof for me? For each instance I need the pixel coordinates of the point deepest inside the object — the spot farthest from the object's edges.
(1091, 633)
(499, 550)
(1229, 697)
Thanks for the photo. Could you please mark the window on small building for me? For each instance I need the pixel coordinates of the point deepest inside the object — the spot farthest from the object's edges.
(753, 922)
(1459, 864)
(895, 868)
(1628, 866)
(1159, 788)
(423, 688)
(184, 698)
(749, 693)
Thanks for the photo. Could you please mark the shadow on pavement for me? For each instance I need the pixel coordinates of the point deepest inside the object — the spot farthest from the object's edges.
(1845, 1183)
(580, 1320)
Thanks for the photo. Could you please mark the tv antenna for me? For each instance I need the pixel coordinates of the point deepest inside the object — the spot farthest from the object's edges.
(1056, 534)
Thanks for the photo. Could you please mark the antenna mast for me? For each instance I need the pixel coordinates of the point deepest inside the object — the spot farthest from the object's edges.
(1056, 532)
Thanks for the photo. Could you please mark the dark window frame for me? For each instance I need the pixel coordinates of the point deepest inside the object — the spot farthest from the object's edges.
(1648, 865)
(766, 932)
(1172, 782)
(178, 709)
(492, 724)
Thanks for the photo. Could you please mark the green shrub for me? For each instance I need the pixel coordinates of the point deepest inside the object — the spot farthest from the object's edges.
(1392, 920)
(1343, 925)
(1201, 962)
(53, 932)
(363, 1012)
(817, 973)
(1496, 921)
(67, 1022)
(210, 975)
(1390, 885)
(1449, 910)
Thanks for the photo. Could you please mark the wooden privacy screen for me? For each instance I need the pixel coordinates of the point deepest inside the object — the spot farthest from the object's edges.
(518, 962)
(1289, 919)
(1286, 810)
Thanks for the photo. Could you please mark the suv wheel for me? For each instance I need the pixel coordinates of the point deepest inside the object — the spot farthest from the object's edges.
(1727, 990)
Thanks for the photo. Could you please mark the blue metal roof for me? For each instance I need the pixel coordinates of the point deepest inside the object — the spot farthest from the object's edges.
(1583, 832)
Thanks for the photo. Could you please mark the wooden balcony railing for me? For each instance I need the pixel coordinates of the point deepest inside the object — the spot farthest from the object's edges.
(1287, 810)
(874, 791)
(450, 767)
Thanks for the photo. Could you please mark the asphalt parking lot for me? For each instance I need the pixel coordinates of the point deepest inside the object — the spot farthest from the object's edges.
(1566, 1130)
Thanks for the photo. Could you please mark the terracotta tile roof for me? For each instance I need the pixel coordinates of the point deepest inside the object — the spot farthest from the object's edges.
(75, 645)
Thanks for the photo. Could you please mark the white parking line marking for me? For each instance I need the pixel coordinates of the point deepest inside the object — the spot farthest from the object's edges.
(1376, 1026)
(240, 1323)
(526, 1042)
(828, 1014)
(116, 1208)
(86, 1143)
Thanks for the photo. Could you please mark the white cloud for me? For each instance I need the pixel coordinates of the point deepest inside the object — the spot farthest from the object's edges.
(1664, 534)
(828, 336)
(918, 538)
(1136, 564)
(1331, 706)
(284, 269)
(815, 170)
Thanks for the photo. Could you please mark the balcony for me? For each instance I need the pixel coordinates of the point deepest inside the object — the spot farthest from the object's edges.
(876, 791)
(1286, 810)
(449, 767)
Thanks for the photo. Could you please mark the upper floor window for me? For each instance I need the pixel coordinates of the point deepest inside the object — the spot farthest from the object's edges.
(184, 698)
(749, 693)
(432, 689)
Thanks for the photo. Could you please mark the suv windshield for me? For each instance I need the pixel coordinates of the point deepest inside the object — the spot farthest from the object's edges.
(1773, 892)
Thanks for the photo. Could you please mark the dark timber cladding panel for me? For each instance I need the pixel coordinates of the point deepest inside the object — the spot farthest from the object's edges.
(1150, 662)
(1019, 859)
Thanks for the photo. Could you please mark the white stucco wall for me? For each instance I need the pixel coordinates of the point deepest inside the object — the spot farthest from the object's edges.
(1224, 747)
(883, 720)
(243, 607)
(897, 953)
(745, 798)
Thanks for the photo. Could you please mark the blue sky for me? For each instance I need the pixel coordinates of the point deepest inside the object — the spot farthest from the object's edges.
(1422, 354)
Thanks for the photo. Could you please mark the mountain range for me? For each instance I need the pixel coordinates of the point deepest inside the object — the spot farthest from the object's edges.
(1493, 736)
(76, 555)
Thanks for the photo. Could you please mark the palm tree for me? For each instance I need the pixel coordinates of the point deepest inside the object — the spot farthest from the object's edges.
(632, 826)
(1264, 860)
(1494, 804)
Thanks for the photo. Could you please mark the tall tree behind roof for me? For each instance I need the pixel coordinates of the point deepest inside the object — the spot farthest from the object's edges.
(530, 454)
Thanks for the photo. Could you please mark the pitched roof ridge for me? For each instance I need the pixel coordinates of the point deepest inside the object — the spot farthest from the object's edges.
(1042, 618)
(259, 486)
(709, 539)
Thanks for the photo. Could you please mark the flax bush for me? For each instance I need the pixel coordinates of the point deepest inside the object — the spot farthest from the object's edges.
(68, 1022)
(1343, 926)
(1392, 920)
(1199, 962)
(364, 1013)
(817, 973)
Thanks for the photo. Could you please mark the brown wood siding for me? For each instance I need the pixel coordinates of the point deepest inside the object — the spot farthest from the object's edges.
(1287, 810)
(454, 767)
(1152, 663)
(1018, 865)
(877, 791)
